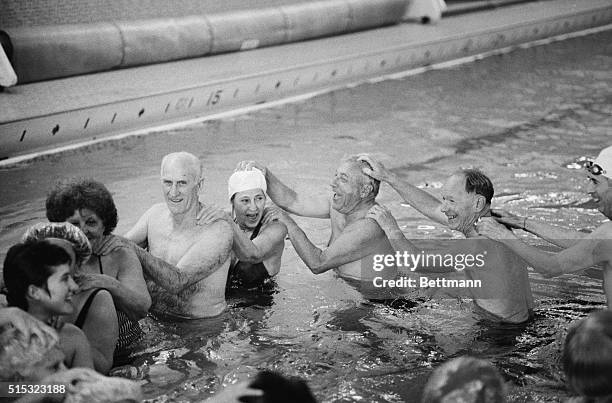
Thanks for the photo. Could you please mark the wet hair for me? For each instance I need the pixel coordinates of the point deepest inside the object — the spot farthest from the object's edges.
(30, 264)
(365, 179)
(587, 355)
(75, 194)
(279, 389)
(465, 379)
(477, 182)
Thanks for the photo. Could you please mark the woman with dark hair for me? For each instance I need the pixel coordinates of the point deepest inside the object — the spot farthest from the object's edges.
(88, 205)
(587, 357)
(38, 280)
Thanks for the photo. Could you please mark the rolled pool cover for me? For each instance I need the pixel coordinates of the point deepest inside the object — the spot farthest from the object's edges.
(161, 40)
(47, 52)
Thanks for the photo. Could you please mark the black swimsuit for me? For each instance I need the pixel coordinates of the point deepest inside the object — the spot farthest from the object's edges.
(129, 330)
(248, 275)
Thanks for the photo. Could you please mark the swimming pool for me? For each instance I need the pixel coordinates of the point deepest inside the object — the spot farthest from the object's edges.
(523, 117)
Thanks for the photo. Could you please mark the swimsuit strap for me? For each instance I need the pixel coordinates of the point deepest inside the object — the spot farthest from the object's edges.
(100, 264)
(80, 321)
(256, 230)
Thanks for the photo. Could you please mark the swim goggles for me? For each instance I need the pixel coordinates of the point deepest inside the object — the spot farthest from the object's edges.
(594, 168)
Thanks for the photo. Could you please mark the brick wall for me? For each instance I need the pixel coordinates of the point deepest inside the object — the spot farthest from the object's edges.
(17, 13)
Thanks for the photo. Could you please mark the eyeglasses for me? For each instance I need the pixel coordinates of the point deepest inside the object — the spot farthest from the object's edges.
(594, 168)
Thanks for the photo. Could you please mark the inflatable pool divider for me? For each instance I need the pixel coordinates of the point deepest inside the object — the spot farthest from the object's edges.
(49, 52)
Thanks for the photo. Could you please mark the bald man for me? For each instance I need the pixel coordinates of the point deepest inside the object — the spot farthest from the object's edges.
(187, 266)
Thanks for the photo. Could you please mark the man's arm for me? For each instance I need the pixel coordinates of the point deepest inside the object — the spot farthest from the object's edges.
(356, 242)
(562, 237)
(593, 249)
(387, 223)
(422, 201)
(263, 246)
(200, 261)
(288, 199)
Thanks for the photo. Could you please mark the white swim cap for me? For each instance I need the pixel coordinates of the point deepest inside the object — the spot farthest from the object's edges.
(604, 160)
(246, 180)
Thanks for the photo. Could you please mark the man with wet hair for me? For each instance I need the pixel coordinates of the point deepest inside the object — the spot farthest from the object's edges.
(505, 293)
(581, 250)
(354, 238)
(186, 269)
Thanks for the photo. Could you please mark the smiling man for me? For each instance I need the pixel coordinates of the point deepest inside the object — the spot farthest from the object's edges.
(187, 266)
(581, 250)
(354, 239)
(466, 197)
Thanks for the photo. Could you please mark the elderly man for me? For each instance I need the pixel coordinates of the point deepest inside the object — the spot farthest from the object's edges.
(354, 238)
(505, 294)
(186, 269)
(581, 250)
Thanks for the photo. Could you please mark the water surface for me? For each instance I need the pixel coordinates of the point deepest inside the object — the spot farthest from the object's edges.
(523, 117)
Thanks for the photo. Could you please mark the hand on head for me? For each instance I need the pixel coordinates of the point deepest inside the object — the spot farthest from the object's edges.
(248, 165)
(377, 170)
(489, 227)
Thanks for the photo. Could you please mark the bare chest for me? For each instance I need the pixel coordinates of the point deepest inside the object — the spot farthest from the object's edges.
(170, 245)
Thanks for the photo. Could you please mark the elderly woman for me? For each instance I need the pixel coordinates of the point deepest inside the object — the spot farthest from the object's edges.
(88, 205)
(258, 246)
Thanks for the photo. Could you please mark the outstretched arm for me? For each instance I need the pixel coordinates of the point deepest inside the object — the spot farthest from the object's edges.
(201, 260)
(288, 199)
(355, 242)
(562, 237)
(424, 202)
(593, 249)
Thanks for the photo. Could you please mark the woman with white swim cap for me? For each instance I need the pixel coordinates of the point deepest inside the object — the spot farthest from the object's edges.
(257, 246)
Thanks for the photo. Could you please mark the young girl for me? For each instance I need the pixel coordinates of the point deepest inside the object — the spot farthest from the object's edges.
(38, 280)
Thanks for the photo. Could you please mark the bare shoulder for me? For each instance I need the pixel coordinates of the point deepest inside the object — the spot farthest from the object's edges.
(71, 332)
(368, 226)
(275, 227)
(157, 211)
(125, 257)
(218, 232)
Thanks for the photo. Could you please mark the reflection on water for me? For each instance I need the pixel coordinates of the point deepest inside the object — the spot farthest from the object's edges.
(527, 118)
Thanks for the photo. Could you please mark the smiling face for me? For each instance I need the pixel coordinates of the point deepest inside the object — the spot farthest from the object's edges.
(56, 297)
(248, 207)
(459, 206)
(346, 187)
(89, 223)
(601, 192)
(180, 184)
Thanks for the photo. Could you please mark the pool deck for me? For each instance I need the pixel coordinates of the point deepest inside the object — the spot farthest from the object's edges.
(39, 116)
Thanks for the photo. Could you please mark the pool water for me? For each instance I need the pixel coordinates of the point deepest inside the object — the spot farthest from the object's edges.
(525, 118)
